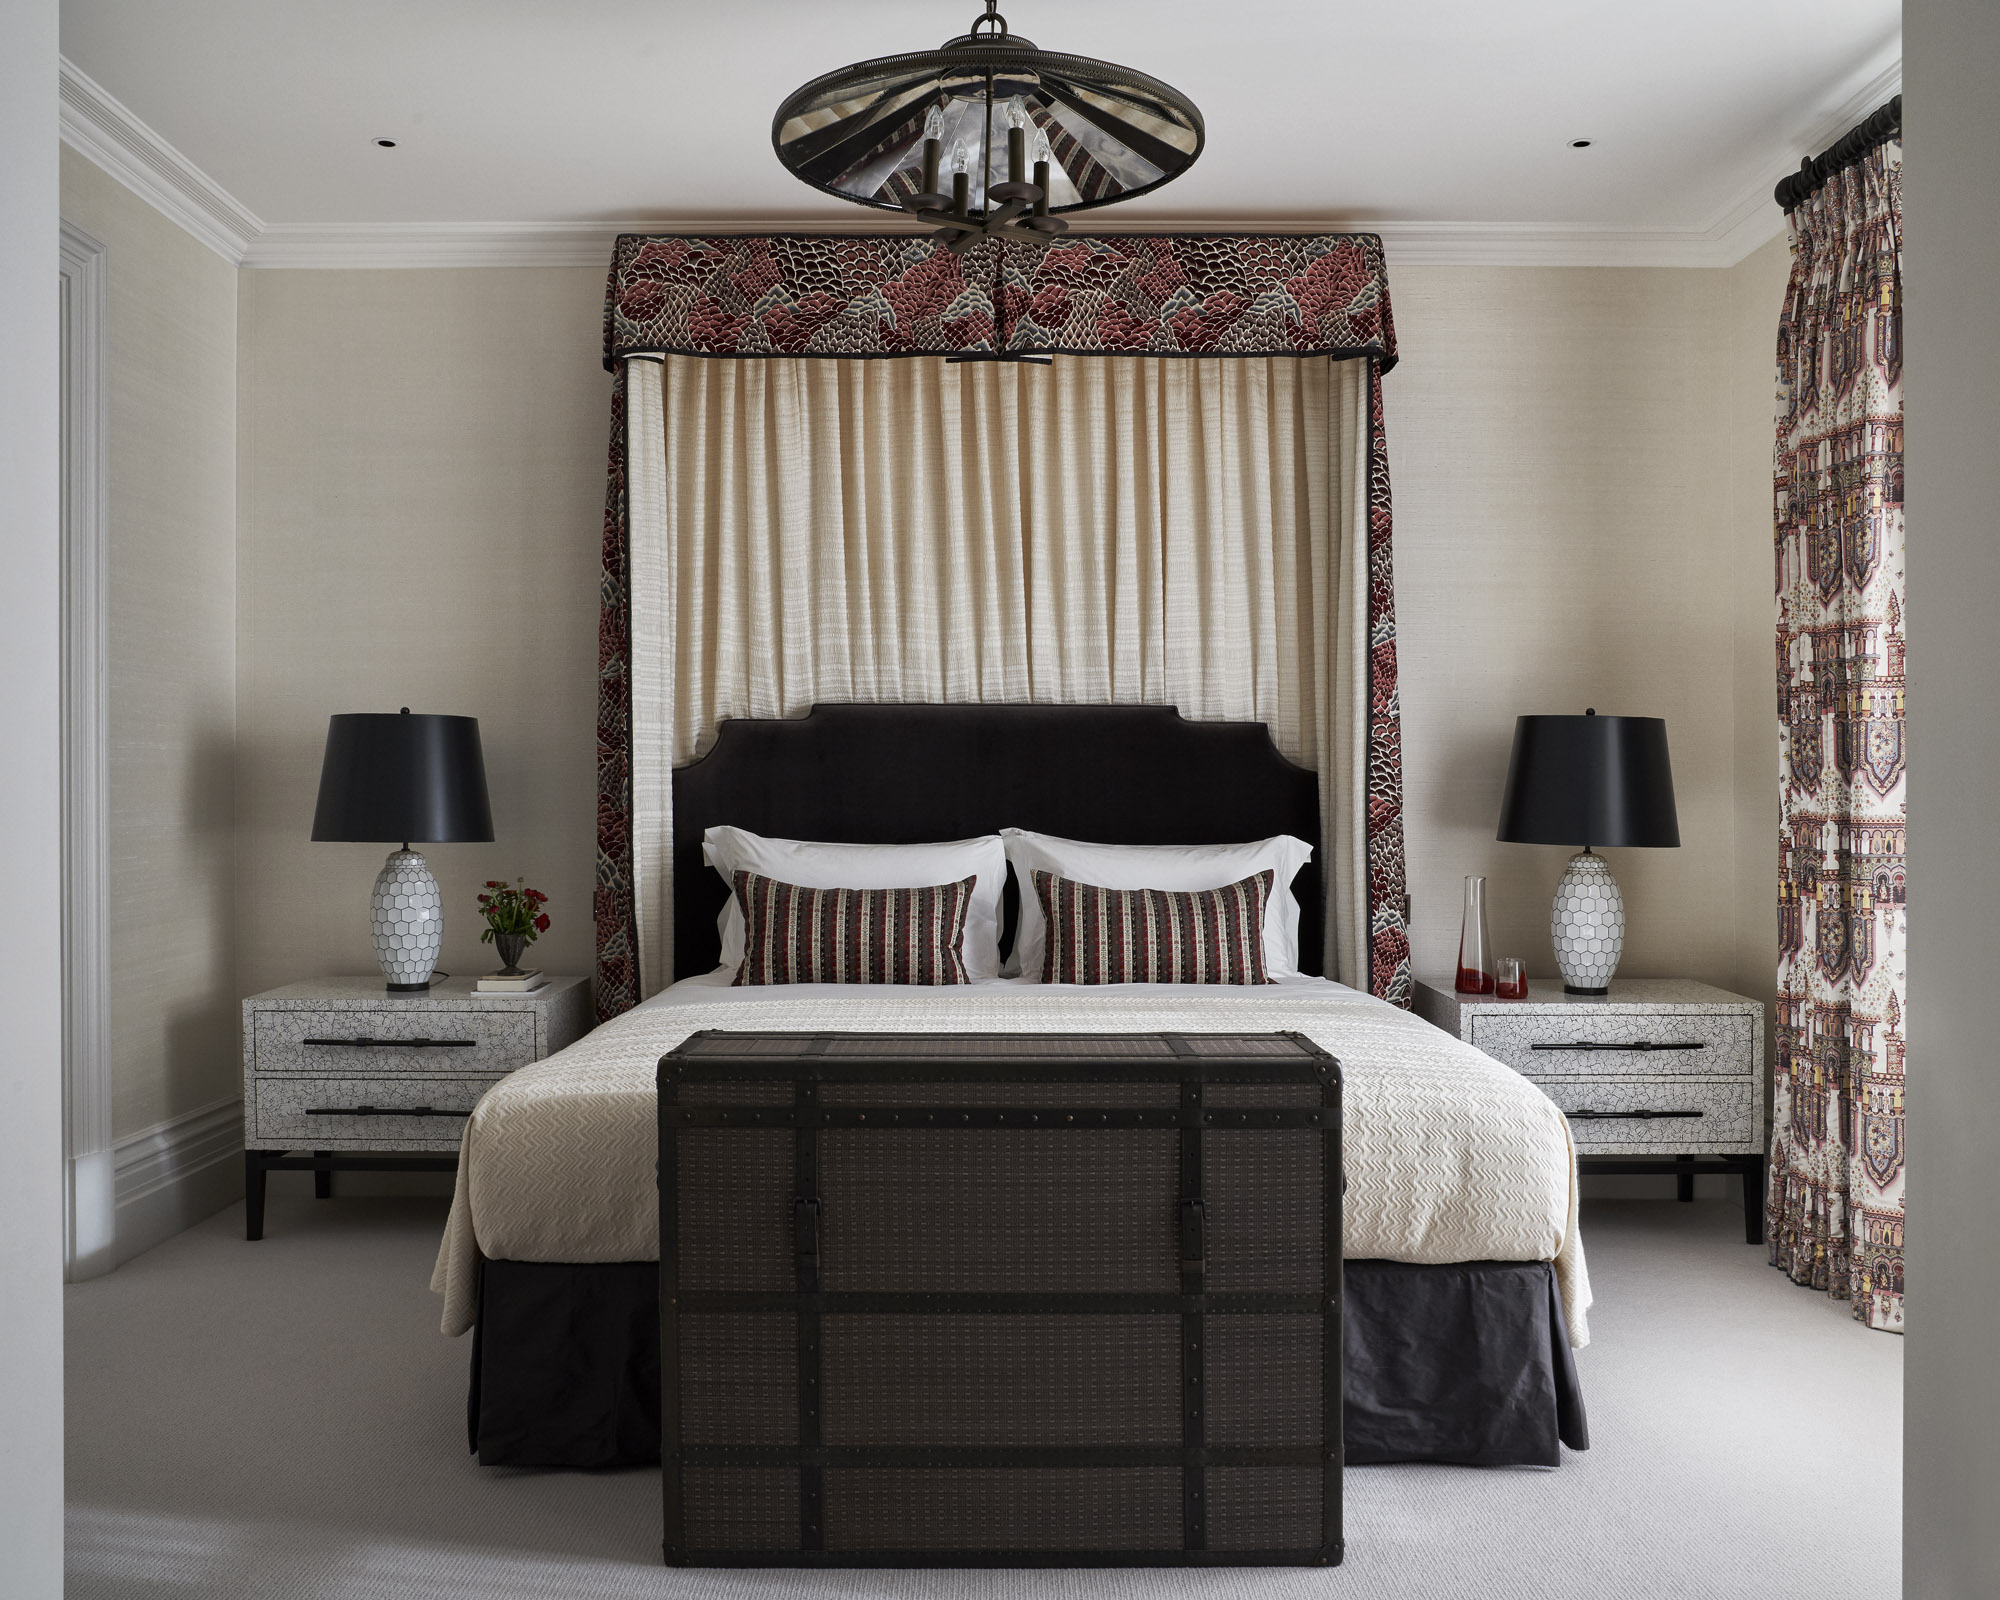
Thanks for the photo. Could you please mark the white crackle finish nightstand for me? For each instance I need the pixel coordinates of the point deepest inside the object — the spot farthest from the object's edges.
(368, 1081)
(1661, 1075)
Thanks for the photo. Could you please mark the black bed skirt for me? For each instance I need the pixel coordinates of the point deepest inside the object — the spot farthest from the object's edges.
(1466, 1363)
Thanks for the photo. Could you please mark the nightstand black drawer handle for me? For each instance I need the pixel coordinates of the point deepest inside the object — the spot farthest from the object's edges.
(1642, 1044)
(1619, 1116)
(366, 1043)
(381, 1111)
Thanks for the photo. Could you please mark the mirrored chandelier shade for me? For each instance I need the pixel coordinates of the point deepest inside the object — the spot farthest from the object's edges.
(987, 136)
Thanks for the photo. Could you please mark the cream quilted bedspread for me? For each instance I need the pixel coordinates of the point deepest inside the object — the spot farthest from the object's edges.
(1450, 1155)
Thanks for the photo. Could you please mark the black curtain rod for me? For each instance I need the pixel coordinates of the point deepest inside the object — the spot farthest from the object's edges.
(1885, 124)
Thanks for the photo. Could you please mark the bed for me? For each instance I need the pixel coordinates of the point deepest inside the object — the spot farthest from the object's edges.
(1466, 1288)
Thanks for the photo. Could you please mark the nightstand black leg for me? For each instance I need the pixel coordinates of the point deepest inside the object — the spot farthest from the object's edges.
(1684, 1181)
(1753, 1199)
(253, 1194)
(322, 1179)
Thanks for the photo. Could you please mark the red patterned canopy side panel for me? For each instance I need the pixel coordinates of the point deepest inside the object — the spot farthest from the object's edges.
(617, 919)
(1388, 933)
(889, 295)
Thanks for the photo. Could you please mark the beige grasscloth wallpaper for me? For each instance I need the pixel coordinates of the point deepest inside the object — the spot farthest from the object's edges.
(421, 485)
(170, 367)
(1581, 463)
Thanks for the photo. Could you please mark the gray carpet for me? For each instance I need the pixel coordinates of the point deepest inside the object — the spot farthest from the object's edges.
(284, 1420)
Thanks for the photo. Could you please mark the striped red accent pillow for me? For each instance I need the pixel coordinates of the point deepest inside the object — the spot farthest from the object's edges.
(1153, 935)
(797, 935)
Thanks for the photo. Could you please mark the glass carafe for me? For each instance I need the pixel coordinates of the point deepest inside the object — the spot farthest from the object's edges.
(1475, 945)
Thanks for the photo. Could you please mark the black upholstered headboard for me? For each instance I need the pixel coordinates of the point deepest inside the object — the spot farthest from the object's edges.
(908, 774)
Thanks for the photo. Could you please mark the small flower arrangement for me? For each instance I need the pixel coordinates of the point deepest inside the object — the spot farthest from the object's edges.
(513, 909)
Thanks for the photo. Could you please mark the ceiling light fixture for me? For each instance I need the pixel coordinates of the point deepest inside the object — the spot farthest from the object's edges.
(386, 144)
(1580, 144)
(886, 132)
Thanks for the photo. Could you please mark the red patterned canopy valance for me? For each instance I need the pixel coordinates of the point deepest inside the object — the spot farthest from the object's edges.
(1210, 294)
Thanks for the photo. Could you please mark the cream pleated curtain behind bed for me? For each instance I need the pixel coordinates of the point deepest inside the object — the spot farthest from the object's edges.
(1171, 531)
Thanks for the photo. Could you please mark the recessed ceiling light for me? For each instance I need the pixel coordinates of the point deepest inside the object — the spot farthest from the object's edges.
(1581, 144)
(386, 144)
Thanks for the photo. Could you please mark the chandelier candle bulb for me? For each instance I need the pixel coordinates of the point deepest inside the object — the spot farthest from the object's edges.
(1042, 183)
(933, 152)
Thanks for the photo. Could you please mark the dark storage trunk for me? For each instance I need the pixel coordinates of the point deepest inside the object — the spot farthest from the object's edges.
(975, 1299)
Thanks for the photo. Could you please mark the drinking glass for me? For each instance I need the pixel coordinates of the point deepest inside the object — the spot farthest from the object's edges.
(1510, 979)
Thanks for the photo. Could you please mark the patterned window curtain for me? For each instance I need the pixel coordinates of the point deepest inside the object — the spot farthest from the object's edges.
(1836, 1196)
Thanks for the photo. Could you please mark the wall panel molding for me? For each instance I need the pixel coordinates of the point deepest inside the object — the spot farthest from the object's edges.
(89, 1221)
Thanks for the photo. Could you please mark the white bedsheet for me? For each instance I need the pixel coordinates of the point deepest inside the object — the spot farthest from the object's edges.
(1450, 1156)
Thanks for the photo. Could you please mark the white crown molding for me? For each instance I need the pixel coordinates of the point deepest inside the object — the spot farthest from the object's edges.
(1555, 244)
(588, 244)
(1754, 218)
(446, 244)
(96, 125)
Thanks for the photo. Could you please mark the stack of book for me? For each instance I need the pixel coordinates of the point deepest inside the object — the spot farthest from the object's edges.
(510, 982)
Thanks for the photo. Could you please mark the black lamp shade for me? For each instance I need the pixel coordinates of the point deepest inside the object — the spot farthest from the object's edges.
(1588, 781)
(395, 778)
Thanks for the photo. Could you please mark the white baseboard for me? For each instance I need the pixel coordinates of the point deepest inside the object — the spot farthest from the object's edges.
(93, 1214)
(175, 1173)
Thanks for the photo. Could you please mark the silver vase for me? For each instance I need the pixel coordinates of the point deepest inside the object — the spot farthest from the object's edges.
(510, 946)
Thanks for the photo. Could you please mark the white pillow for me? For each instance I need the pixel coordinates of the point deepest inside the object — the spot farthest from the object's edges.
(813, 865)
(1148, 866)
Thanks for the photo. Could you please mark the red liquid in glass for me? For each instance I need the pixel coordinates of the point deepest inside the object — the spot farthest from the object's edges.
(1512, 991)
(1472, 981)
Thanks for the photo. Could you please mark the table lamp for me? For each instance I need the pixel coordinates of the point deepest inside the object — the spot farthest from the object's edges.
(1589, 780)
(394, 778)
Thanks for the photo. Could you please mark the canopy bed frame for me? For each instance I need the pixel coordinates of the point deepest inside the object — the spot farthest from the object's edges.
(1196, 296)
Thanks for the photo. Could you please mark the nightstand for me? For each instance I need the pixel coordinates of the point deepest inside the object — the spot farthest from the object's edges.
(1661, 1075)
(369, 1081)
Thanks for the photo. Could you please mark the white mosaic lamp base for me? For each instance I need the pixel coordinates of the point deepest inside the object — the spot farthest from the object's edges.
(1587, 923)
(408, 917)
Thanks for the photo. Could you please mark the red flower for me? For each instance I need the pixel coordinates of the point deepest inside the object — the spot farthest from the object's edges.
(542, 923)
(494, 884)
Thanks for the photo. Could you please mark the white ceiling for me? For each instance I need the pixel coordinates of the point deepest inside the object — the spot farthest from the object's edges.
(1424, 114)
